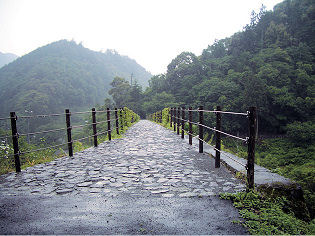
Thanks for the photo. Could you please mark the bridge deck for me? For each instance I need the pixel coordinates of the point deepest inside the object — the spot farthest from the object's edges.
(150, 167)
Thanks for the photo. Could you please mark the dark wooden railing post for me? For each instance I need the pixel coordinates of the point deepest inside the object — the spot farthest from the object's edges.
(252, 117)
(200, 129)
(190, 125)
(109, 131)
(15, 142)
(218, 138)
(183, 122)
(70, 149)
(125, 115)
(94, 127)
(117, 123)
(171, 119)
(121, 118)
(178, 120)
(175, 119)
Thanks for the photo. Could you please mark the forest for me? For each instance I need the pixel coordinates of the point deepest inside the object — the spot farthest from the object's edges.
(270, 65)
(60, 75)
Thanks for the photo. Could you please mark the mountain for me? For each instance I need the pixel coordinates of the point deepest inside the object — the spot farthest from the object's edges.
(6, 58)
(62, 75)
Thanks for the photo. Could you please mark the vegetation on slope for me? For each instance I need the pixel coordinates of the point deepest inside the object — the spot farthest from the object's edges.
(62, 75)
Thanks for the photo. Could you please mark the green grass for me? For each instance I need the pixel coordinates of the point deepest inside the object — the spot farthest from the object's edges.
(267, 216)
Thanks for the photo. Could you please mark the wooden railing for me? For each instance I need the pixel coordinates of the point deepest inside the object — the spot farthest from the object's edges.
(122, 117)
(176, 118)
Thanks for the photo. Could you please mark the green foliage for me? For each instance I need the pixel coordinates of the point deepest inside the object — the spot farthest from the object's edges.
(269, 65)
(267, 216)
(301, 132)
(62, 75)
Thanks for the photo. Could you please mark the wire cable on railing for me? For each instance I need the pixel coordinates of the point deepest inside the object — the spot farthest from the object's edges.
(40, 149)
(80, 126)
(41, 132)
(106, 111)
(4, 137)
(223, 112)
(80, 112)
(100, 122)
(213, 129)
(104, 121)
(5, 118)
(218, 150)
(41, 116)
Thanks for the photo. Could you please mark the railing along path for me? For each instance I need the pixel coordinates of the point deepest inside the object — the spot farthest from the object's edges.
(176, 117)
(120, 121)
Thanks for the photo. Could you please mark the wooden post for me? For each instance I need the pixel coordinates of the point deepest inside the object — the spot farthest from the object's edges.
(15, 142)
(218, 138)
(171, 114)
(252, 118)
(125, 115)
(175, 119)
(94, 126)
(109, 132)
(117, 123)
(183, 122)
(70, 149)
(190, 125)
(178, 120)
(200, 129)
(121, 118)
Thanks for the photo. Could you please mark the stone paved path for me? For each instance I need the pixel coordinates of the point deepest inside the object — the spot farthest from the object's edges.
(150, 160)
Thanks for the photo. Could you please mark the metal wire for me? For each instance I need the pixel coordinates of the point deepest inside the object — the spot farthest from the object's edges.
(223, 153)
(4, 137)
(40, 132)
(5, 118)
(80, 126)
(104, 121)
(39, 149)
(42, 116)
(100, 122)
(105, 111)
(81, 112)
(213, 129)
(224, 112)
(232, 113)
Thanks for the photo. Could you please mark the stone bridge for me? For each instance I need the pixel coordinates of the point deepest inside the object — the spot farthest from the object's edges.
(149, 182)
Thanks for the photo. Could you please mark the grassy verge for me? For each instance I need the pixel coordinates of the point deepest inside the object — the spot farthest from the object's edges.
(266, 216)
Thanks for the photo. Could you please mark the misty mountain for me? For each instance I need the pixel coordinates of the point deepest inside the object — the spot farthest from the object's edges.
(6, 58)
(62, 75)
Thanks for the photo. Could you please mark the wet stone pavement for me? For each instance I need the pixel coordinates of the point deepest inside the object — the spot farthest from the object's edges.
(149, 160)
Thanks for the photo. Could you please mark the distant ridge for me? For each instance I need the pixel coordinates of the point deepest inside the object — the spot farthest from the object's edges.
(6, 58)
(61, 75)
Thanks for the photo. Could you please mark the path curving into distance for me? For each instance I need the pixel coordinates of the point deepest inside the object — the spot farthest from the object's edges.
(149, 182)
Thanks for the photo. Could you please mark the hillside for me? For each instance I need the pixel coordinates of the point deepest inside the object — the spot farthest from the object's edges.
(270, 65)
(63, 75)
(6, 58)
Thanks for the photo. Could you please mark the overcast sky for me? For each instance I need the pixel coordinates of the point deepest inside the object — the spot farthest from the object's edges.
(152, 32)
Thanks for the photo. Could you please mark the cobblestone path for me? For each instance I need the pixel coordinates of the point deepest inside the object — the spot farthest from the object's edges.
(149, 160)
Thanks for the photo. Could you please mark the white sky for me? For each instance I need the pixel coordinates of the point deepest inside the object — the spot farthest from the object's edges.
(153, 32)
